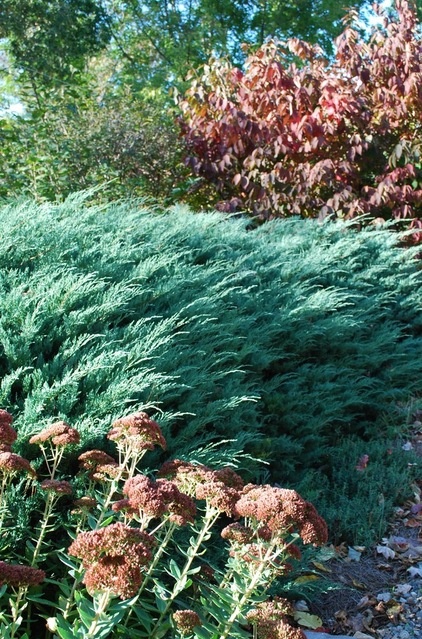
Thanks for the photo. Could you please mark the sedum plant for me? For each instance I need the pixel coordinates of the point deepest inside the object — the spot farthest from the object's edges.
(132, 559)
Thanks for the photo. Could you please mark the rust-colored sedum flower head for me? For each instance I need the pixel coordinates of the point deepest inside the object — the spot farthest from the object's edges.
(90, 459)
(84, 503)
(185, 475)
(282, 511)
(119, 575)
(5, 448)
(229, 478)
(271, 619)
(105, 472)
(186, 621)
(157, 498)
(58, 434)
(56, 486)
(181, 508)
(100, 466)
(237, 534)
(17, 575)
(220, 488)
(294, 551)
(11, 464)
(113, 540)
(138, 432)
(143, 495)
(113, 558)
(8, 434)
(314, 529)
(218, 495)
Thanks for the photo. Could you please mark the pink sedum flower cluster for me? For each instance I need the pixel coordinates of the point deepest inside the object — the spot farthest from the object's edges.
(219, 488)
(185, 475)
(138, 432)
(186, 621)
(60, 487)
(155, 499)
(58, 434)
(11, 464)
(18, 575)
(99, 465)
(113, 558)
(283, 511)
(90, 459)
(271, 619)
(8, 434)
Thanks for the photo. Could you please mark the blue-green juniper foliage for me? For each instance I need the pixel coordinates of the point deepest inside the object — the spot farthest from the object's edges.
(300, 340)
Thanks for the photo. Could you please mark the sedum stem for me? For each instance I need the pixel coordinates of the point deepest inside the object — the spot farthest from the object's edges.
(256, 577)
(17, 607)
(44, 523)
(103, 602)
(209, 520)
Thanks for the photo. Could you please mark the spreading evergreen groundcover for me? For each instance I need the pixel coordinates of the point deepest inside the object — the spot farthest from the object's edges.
(300, 340)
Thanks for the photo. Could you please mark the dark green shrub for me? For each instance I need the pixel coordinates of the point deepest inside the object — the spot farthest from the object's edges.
(294, 339)
(358, 501)
(132, 147)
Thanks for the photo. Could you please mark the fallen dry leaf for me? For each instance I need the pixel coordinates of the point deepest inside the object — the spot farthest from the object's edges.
(305, 578)
(358, 584)
(387, 552)
(307, 620)
(400, 544)
(353, 554)
(415, 571)
(411, 555)
(413, 523)
(321, 566)
(393, 610)
(342, 617)
(380, 613)
(384, 567)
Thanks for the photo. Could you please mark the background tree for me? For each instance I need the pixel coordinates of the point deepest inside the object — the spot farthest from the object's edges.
(50, 41)
(160, 40)
(94, 81)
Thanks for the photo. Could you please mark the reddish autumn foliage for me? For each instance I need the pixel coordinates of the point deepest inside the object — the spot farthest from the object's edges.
(313, 137)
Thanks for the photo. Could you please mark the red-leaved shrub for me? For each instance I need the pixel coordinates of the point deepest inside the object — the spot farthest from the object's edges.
(297, 134)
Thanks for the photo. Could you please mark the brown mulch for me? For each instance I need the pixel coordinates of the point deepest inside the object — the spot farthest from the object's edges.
(351, 604)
